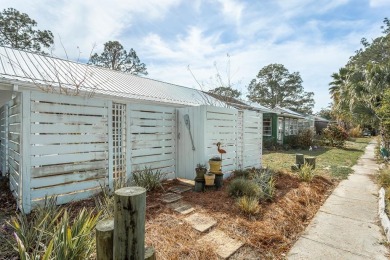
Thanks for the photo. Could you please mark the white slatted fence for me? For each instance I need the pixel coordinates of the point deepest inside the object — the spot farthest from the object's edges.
(252, 129)
(4, 139)
(153, 138)
(69, 146)
(14, 146)
(221, 126)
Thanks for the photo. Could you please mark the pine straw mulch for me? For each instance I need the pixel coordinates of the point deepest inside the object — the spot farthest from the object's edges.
(269, 234)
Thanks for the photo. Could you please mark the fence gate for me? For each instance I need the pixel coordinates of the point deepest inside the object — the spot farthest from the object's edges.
(152, 138)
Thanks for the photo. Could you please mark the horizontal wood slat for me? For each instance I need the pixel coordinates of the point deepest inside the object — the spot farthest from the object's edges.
(68, 158)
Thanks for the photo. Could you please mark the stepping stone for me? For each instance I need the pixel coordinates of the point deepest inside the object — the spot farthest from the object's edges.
(171, 197)
(224, 245)
(180, 188)
(200, 222)
(181, 207)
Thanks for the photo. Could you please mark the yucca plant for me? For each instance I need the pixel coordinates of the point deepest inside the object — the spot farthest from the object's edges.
(105, 203)
(148, 178)
(33, 233)
(306, 173)
(74, 240)
(265, 179)
(49, 233)
(248, 205)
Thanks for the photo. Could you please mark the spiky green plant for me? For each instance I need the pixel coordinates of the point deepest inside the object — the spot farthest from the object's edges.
(266, 181)
(74, 240)
(243, 187)
(148, 178)
(33, 233)
(49, 233)
(306, 173)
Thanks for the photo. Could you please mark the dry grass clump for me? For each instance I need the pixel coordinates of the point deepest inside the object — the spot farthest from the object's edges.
(248, 205)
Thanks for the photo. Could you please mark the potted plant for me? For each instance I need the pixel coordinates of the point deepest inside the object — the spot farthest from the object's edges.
(200, 171)
(209, 178)
(215, 164)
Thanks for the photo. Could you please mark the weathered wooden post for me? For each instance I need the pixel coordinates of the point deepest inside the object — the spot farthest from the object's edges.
(129, 218)
(311, 161)
(104, 239)
(299, 159)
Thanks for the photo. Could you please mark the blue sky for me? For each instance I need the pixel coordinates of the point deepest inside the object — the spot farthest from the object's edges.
(315, 38)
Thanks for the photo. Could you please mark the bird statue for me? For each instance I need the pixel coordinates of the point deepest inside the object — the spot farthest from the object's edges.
(221, 151)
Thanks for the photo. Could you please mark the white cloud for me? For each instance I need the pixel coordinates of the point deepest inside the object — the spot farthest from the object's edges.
(232, 10)
(379, 3)
(89, 22)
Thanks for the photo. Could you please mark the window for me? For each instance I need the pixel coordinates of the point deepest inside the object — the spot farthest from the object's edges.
(267, 126)
(293, 126)
(287, 126)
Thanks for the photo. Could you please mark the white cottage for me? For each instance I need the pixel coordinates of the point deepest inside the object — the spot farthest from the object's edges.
(67, 128)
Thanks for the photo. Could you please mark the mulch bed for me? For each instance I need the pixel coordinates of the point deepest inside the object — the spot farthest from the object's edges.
(269, 234)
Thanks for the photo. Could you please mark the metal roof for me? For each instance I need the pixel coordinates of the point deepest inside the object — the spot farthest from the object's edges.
(41, 70)
(288, 112)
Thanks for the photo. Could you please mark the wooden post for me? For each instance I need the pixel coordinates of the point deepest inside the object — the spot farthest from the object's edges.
(129, 226)
(311, 161)
(104, 239)
(299, 159)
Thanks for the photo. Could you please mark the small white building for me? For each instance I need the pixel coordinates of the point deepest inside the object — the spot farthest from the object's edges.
(68, 128)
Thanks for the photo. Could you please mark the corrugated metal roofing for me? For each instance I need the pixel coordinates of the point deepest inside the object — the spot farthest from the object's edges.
(289, 112)
(51, 71)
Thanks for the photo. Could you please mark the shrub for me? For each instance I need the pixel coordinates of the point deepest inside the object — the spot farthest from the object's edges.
(355, 132)
(265, 180)
(248, 205)
(243, 187)
(247, 174)
(387, 201)
(291, 141)
(335, 135)
(148, 178)
(270, 143)
(306, 173)
(384, 178)
(305, 138)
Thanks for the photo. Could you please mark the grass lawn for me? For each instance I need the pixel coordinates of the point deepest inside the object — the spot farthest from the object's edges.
(331, 162)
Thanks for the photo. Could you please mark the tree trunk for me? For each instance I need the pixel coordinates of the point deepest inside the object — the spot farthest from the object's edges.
(129, 217)
(104, 239)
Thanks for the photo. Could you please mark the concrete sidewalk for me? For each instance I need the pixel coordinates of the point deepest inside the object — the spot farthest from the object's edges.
(347, 225)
